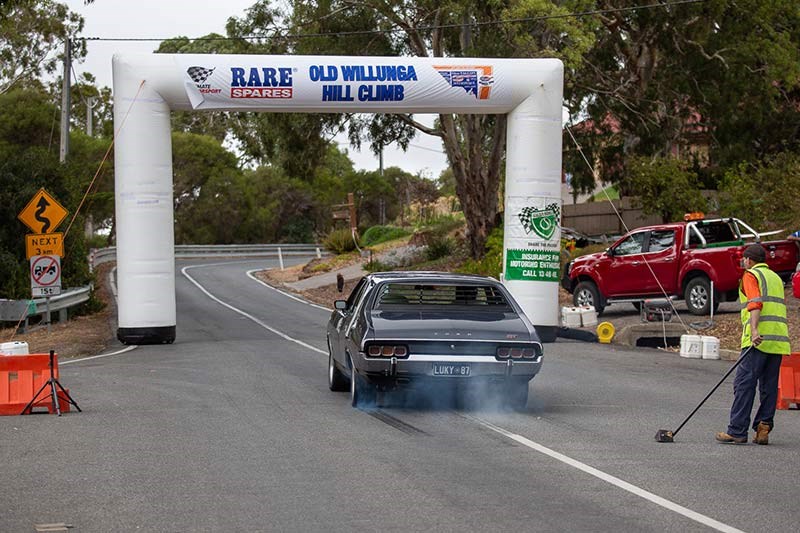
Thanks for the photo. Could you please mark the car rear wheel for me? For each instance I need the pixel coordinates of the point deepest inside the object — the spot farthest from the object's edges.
(698, 296)
(337, 381)
(586, 293)
(362, 392)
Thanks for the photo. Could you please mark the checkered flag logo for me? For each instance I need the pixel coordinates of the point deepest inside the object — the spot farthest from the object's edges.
(540, 221)
(199, 74)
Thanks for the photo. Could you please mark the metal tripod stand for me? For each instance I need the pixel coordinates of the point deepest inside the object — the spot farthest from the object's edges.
(54, 386)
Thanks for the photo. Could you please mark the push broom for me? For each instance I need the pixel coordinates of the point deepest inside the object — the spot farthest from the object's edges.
(665, 435)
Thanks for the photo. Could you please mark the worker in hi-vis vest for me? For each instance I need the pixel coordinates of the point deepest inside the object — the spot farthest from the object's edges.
(764, 329)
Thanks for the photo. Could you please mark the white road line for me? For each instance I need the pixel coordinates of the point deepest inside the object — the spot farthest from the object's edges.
(608, 478)
(288, 295)
(633, 489)
(247, 315)
(82, 359)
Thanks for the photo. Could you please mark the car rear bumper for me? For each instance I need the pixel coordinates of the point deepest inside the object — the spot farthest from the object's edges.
(419, 370)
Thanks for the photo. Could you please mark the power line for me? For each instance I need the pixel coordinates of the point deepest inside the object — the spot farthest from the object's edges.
(421, 28)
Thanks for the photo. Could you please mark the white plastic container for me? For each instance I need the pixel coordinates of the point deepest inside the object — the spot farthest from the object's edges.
(588, 315)
(691, 346)
(570, 317)
(710, 348)
(14, 348)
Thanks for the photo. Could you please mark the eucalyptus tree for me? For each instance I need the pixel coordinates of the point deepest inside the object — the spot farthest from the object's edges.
(32, 36)
(474, 144)
(713, 82)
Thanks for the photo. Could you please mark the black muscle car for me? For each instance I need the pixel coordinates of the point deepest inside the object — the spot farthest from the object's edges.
(403, 330)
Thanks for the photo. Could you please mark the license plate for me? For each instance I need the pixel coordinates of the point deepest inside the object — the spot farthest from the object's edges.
(451, 370)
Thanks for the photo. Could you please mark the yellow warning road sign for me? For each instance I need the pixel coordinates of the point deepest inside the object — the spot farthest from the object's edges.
(43, 213)
(44, 244)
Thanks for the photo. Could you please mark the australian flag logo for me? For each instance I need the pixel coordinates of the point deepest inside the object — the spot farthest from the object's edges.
(199, 74)
(475, 80)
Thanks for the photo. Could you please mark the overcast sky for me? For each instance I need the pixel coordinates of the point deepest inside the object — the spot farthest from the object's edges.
(169, 18)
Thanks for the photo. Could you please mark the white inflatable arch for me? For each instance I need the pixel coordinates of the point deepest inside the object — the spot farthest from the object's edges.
(148, 87)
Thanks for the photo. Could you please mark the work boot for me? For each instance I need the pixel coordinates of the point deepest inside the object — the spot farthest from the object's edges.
(724, 438)
(762, 433)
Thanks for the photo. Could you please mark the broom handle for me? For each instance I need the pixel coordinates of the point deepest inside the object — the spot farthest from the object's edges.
(728, 373)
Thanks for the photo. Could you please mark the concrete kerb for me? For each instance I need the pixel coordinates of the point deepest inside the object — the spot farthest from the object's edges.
(629, 335)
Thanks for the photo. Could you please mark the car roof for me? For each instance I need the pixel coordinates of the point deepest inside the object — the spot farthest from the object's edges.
(433, 276)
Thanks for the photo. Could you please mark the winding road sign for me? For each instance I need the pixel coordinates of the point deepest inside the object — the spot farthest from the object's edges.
(43, 213)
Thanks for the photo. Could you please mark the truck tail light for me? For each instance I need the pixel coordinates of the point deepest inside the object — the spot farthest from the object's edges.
(387, 350)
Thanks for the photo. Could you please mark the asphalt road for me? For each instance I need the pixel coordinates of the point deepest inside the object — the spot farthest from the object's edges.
(233, 428)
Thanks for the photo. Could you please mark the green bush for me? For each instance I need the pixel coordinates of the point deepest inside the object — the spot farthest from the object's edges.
(379, 234)
(340, 241)
(439, 246)
(760, 194)
(492, 262)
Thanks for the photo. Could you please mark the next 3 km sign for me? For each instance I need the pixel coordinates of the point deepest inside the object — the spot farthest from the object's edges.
(45, 275)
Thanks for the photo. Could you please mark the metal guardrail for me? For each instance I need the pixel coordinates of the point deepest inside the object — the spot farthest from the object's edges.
(104, 255)
(16, 310)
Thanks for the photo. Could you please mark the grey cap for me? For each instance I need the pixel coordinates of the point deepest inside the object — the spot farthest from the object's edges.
(756, 253)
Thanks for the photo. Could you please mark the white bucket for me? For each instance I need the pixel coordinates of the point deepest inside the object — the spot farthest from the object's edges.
(588, 315)
(14, 348)
(570, 317)
(710, 347)
(691, 346)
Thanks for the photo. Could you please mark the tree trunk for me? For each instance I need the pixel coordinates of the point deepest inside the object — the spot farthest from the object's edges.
(475, 158)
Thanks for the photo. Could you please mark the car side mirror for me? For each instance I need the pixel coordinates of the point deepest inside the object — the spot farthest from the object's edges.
(340, 305)
(610, 252)
(339, 282)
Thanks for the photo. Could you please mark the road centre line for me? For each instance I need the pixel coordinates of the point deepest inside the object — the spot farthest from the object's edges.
(245, 314)
(608, 478)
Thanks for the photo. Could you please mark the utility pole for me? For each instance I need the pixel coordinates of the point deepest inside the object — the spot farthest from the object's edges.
(65, 102)
(90, 103)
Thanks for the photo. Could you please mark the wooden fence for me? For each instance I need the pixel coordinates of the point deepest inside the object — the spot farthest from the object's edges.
(600, 218)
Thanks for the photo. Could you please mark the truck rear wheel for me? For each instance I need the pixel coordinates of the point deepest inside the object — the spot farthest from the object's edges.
(586, 293)
(698, 296)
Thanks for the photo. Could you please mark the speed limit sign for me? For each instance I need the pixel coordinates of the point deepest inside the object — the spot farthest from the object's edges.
(45, 275)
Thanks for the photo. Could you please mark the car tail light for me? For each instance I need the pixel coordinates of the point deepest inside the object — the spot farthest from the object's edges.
(528, 353)
(387, 350)
(516, 352)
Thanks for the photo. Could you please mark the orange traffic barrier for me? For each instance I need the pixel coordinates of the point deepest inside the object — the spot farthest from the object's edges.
(21, 377)
(789, 381)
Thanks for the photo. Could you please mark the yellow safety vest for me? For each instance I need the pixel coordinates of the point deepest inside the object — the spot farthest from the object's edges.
(772, 322)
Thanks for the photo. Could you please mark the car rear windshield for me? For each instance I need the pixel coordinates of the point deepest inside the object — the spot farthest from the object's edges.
(396, 294)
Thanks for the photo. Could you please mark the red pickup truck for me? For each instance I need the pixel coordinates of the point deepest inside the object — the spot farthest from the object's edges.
(678, 260)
